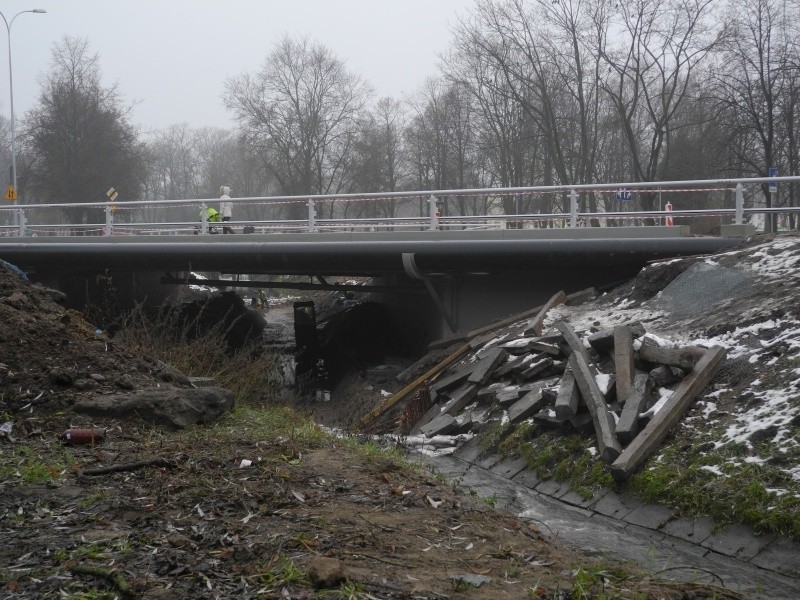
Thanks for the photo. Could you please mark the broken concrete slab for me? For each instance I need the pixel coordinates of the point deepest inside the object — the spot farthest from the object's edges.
(484, 368)
(526, 406)
(450, 381)
(536, 368)
(441, 425)
(508, 395)
(459, 399)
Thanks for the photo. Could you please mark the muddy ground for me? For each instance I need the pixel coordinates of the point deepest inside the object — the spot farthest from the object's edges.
(259, 505)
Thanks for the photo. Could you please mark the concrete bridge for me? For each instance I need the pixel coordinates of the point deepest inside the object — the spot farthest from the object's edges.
(440, 281)
(444, 261)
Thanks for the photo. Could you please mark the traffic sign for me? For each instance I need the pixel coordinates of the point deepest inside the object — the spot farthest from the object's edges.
(112, 194)
(11, 194)
(773, 185)
(623, 194)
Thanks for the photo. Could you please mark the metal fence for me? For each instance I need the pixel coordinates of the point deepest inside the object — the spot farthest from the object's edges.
(736, 201)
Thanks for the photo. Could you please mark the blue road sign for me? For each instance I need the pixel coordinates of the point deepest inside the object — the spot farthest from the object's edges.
(773, 185)
(623, 194)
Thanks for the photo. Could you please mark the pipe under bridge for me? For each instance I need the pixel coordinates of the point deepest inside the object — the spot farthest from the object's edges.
(440, 281)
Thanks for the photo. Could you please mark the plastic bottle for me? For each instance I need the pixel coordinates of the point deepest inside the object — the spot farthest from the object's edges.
(77, 437)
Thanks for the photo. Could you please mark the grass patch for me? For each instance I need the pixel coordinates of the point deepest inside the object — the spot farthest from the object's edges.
(556, 456)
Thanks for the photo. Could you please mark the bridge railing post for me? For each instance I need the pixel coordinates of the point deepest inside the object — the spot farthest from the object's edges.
(739, 218)
(203, 218)
(23, 223)
(109, 228)
(433, 213)
(312, 216)
(573, 208)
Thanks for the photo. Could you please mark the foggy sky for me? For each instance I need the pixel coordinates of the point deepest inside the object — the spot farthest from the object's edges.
(172, 57)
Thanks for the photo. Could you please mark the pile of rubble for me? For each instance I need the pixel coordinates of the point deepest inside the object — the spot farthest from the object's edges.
(628, 387)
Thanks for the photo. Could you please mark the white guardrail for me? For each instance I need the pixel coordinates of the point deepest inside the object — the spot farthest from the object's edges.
(736, 201)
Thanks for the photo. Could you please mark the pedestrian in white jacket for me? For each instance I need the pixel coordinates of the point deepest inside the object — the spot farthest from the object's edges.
(225, 207)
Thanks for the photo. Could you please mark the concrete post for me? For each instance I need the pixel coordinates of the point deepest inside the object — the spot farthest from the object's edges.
(739, 219)
(573, 208)
(203, 218)
(312, 215)
(22, 223)
(433, 209)
(109, 229)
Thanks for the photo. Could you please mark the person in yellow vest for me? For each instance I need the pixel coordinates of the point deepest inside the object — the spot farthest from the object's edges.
(212, 216)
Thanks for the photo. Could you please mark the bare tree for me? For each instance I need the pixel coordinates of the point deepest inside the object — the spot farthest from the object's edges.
(652, 49)
(78, 138)
(758, 84)
(300, 112)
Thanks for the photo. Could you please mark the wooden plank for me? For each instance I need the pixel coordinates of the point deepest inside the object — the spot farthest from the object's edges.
(581, 297)
(628, 424)
(567, 401)
(650, 438)
(607, 443)
(537, 323)
(685, 358)
(573, 341)
(623, 360)
(398, 396)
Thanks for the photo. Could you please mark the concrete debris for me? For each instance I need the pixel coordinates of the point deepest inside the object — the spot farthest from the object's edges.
(606, 383)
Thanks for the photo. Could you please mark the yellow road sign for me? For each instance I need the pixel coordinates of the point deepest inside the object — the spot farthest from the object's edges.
(112, 194)
(11, 193)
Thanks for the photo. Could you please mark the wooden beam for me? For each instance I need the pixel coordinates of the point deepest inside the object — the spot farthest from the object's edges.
(368, 419)
(604, 428)
(685, 358)
(573, 341)
(650, 438)
(537, 323)
(623, 360)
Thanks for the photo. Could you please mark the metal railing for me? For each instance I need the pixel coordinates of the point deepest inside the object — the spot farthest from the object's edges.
(733, 200)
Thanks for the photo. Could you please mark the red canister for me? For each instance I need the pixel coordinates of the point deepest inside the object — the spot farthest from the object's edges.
(77, 437)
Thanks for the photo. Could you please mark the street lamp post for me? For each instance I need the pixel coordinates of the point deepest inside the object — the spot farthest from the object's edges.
(11, 93)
